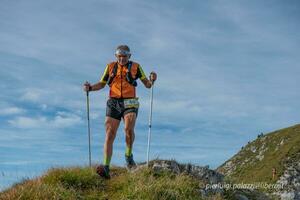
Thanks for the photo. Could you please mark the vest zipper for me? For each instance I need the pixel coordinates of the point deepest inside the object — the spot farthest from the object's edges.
(121, 80)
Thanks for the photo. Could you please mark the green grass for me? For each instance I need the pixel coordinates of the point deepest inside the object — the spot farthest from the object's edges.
(149, 185)
(84, 183)
(64, 183)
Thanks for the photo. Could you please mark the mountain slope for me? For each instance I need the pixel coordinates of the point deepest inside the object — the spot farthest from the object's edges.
(257, 159)
(271, 158)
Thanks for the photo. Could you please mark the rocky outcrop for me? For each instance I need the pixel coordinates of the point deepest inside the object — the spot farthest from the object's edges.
(204, 174)
(290, 180)
(273, 159)
(211, 182)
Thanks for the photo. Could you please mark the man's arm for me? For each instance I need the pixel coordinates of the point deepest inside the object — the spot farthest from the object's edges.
(147, 83)
(97, 86)
(101, 84)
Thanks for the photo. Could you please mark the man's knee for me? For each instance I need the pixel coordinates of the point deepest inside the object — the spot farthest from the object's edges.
(110, 136)
(129, 131)
(110, 127)
(110, 133)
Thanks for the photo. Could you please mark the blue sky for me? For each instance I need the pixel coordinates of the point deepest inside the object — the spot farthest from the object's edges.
(227, 71)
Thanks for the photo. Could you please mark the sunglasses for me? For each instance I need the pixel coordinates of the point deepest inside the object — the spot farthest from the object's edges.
(122, 56)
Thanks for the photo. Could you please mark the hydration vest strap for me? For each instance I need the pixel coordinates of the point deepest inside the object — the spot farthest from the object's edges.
(129, 78)
(114, 73)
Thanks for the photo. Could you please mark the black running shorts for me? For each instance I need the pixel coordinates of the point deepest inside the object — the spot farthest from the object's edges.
(115, 108)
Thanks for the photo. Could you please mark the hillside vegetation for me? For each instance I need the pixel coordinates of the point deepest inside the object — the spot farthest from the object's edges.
(84, 183)
(258, 159)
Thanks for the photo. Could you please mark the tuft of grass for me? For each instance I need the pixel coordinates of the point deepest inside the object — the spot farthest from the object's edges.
(84, 183)
(146, 184)
(63, 183)
(36, 189)
(80, 179)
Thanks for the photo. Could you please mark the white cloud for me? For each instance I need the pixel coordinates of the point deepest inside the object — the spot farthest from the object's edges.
(28, 122)
(56, 96)
(61, 120)
(32, 94)
(64, 119)
(11, 111)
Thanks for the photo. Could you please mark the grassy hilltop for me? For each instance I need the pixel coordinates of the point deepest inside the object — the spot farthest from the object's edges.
(84, 183)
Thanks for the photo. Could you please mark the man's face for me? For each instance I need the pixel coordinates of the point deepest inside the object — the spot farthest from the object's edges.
(122, 59)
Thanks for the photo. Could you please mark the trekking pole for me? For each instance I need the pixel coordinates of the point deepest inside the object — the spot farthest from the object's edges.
(89, 129)
(150, 124)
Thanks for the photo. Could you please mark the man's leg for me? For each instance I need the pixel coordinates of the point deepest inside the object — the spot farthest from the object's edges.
(129, 120)
(111, 126)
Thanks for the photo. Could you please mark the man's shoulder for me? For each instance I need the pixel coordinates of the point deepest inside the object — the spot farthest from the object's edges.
(136, 64)
(133, 63)
(112, 63)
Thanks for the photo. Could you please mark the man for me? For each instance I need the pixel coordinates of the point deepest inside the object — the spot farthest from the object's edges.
(121, 77)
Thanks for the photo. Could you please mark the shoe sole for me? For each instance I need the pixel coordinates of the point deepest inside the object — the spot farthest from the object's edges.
(101, 172)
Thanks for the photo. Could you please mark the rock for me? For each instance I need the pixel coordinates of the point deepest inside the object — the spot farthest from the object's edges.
(156, 167)
(260, 157)
(287, 196)
(291, 182)
(203, 193)
(241, 197)
(206, 174)
(201, 173)
(167, 165)
(212, 182)
(253, 149)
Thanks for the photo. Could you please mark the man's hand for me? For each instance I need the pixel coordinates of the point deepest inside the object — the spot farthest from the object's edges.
(87, 87)
(149, 83)
(153, 76)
